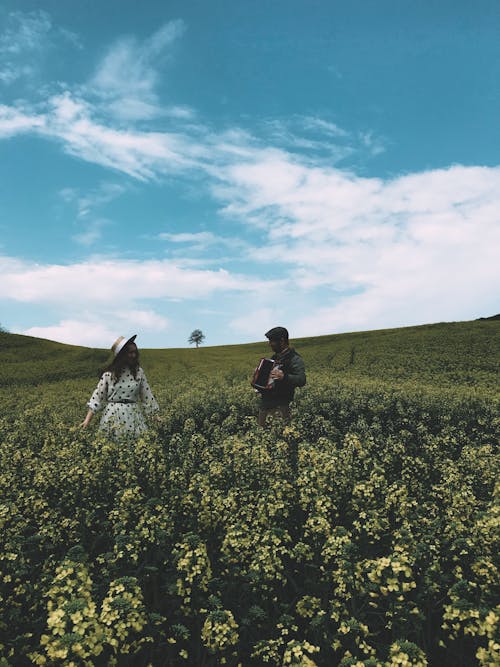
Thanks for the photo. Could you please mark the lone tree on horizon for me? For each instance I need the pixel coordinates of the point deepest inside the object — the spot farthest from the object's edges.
(196, 337)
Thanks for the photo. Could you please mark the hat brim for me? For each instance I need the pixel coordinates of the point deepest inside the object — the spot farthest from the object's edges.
(123, 347)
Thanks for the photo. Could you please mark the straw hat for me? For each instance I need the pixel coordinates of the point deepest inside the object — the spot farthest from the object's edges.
(120, 343)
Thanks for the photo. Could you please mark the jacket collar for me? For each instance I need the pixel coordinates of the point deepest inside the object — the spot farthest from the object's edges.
(281, 356)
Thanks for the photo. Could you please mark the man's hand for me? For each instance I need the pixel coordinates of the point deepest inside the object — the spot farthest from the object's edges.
(276, 374)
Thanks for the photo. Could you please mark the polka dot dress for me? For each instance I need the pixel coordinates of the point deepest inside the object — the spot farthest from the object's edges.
(122, 414)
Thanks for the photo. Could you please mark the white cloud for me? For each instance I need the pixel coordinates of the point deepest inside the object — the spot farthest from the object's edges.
(92, 231)
(24, 32)
(24, 40)
(96, 300)
(203, 249)
(86, 205)
(87, 202)
(101, 328)
(142, 155)
(419, 248)
(380, 242)
(254, 322)
(11, 72)
(14, 121)
(76, 332)
(98, 282)
(145, 319)
(189, 237)
(127, 77)
(316, 123)
(366, 251)
(320, 142)
(180, 112)
(375, 145)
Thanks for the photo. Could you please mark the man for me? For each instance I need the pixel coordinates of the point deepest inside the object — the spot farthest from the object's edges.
(289, 373)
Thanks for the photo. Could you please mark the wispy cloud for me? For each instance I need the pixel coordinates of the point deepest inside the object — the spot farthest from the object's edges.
(127, 78)
(87, 202)
(206, 242)
(9, 72)
(203, 238)
(25, 32)
(141, 155)
(92, 232)
(88, 205)
(321, 140)
(26, 37)
(324, 126)
(14, 121)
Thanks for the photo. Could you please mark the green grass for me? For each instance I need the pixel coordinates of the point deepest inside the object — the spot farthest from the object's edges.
(28, 360)
(444, 354)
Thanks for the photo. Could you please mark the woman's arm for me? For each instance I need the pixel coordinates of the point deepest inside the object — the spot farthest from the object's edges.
(149, 401)
(97, 400)
(87, 419)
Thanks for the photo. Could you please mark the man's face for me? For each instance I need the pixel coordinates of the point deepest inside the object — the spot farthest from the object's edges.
(277, 345)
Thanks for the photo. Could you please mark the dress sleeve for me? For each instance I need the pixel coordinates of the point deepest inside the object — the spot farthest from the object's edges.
(149, 401)
(100, 395)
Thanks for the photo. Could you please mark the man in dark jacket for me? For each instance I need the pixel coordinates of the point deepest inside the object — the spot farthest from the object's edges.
(288, 373)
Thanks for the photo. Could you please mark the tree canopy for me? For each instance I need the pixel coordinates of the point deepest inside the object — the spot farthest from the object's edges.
(197, 336)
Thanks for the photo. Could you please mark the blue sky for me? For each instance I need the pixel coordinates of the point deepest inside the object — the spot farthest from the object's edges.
(231, 166)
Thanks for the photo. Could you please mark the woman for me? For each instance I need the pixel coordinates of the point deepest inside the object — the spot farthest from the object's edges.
(122, 384)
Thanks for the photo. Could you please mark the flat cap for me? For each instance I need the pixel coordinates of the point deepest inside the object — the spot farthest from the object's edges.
(277, 333)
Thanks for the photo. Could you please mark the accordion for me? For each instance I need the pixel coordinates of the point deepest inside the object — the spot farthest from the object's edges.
(261, 380)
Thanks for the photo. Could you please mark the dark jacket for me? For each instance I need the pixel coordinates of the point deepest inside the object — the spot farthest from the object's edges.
(292, 365)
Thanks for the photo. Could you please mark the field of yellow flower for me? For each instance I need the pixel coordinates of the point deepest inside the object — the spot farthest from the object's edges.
(365, 533)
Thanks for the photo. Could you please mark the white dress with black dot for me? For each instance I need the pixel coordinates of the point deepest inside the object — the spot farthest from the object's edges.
(120, 398)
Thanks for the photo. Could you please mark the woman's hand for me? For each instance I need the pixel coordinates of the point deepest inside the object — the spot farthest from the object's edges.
(85, 423)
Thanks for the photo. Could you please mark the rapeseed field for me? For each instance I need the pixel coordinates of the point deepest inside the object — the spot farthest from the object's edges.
(364, 533)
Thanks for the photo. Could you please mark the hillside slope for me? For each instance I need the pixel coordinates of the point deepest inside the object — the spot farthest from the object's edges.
(444, 353)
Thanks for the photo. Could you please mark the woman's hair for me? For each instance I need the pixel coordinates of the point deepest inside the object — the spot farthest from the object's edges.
(119, 363)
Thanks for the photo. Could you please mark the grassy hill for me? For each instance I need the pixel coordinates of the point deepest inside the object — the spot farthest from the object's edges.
(466, 353)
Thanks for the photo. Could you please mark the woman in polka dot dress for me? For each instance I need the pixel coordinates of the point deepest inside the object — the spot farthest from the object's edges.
(122, 385)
